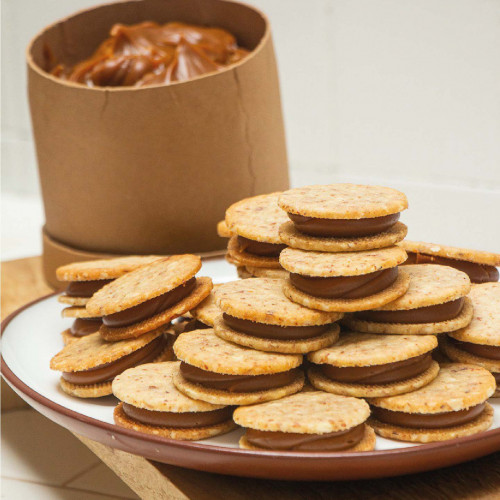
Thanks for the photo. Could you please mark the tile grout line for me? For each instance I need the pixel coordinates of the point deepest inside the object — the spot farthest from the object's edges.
(81, 473)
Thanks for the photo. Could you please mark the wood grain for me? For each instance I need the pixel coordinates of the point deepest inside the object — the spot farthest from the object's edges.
(480, 479)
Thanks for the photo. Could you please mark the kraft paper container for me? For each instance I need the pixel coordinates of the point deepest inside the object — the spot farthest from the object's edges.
(152, 169)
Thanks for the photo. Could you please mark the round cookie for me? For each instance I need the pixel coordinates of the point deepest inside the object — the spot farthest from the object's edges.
(368, 366)
(207, 311)
(307, 421)
(203, 350)
(430, 286)
(150, 387)
(264, 272)
(292, 237)
(451, 406)
(76, 312)
(243, 258)
(343, 201)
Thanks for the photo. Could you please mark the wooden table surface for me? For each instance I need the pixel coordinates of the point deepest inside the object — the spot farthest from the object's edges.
(22, 282)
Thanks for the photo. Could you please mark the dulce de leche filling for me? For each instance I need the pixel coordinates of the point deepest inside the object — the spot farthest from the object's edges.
(427, 420)
(478, 273)
(331, 441)
(109, 371)
(151, 307)
(273, 331)
(237, 383)
(85, 326)
(379, 374)
(187, 420)
(429, 314)
(149, 53)
(343, 228)
(85, 288)
(345, 287)
(259, 247)
(481, 350)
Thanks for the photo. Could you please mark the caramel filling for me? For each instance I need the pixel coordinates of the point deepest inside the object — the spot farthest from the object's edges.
(151, 307)
(83, 326)
(85, 288)
(343, 228)
(273, 331)
(109, 371)
(237, 383)
(259, 248)
(186, 420)
(427, 420)
(478, 273)
(331, 441)
(379, 374)
(481, 350)
(148, 53)
(345, 287)
(429, 314)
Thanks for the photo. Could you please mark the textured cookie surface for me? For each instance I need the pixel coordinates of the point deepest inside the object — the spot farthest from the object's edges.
(460, 321)
(363, 349)
(222, 229)
(150, 386)
(295, 346)
(103, 269)
(430, 285)
(203, 349)
(146, 282)
(485, 325)
(73, 301)
(93, 350)
(312, 412)
(477, 256)
(207, 311)
(457, 387)
(378, 299)
(257, 218)
(459, 355)
(479, 424)
(190, 434)
(75, 312)
(264, 272)
(242, 258)
(295, 239)
(158, 321)
(262, 300)
(86, 391)
(323, 264)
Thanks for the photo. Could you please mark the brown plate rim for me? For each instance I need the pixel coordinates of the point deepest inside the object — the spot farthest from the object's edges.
(258, 464)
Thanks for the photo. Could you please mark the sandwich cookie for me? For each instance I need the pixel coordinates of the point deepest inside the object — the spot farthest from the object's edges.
(345, 282)
(478, 265)
(254, 224)
(206, 312)
(453, 405)
(309, 421)
(435, 302)
(83, 323)
(149, 297)
(256, 314)
(342, 217)
(86, 278)
(220, 372)
(479, 342)
(150, 403)
(367, 366)
(90, 364)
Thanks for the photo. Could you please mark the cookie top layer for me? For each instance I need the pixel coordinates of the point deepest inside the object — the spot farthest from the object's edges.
(103, 269)
(208, 310)
(257, 218)
(311, 412)
(143, 284)
(341, 264)
(343, 201)
(430, 284)
(457, 387)
(76, 312)
(476, 256)
(92, 351)
(262, 300)
(203, 349)
(150, 386)
(364, 349)
(485, 325)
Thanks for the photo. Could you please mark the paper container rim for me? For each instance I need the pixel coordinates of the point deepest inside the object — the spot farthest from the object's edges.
(44, 74)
